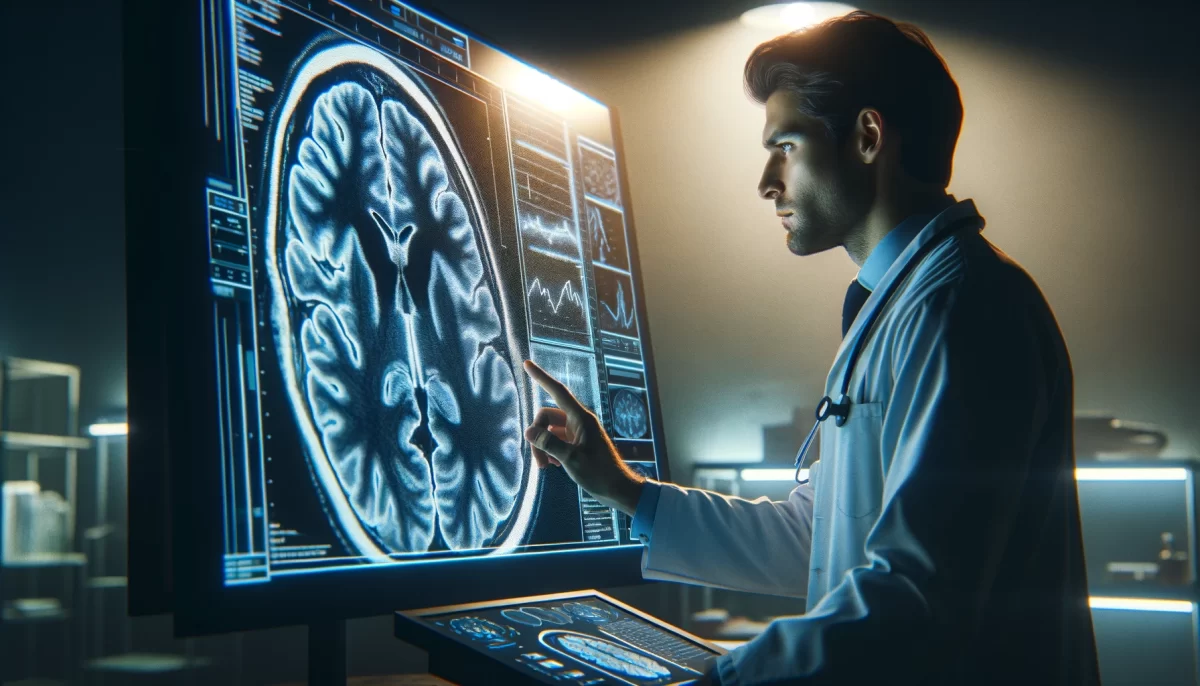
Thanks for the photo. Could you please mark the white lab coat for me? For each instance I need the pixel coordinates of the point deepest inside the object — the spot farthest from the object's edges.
(939, 542)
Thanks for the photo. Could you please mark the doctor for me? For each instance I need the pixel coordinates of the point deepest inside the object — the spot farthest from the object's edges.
(938, 540)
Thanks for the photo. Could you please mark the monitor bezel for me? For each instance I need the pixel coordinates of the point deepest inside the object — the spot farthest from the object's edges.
(202, 603)
(147, 302)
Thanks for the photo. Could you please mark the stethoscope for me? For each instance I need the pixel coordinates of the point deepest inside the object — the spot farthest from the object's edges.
(840, 411)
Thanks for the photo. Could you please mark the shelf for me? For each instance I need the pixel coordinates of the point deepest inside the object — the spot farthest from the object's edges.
(45, 560)
(146, 663)
(13, 616)
(21, 369)
(19, 440)
(108, 582)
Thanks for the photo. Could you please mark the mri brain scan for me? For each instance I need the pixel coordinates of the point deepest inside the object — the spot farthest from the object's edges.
(549, 615)
(606, 655)
(481, 629)
(521, 617)
(629, 414)
(386, 323)
(589, 613)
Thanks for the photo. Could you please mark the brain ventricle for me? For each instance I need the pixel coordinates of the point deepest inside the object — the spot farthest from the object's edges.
(401, 353)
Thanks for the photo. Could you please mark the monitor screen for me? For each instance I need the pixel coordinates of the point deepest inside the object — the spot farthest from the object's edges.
(577, 639)
(398, 215)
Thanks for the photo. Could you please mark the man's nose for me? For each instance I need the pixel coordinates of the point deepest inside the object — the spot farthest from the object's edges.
(769, 187)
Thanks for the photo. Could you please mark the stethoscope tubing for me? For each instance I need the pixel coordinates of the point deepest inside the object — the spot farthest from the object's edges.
(840, 410)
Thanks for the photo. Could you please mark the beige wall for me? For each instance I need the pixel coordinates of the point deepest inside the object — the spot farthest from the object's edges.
(1083, 176)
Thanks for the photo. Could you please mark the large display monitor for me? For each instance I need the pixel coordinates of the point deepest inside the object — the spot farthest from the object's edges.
(369, 217)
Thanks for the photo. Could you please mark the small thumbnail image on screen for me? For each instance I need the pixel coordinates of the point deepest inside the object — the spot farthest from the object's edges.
(583, 640)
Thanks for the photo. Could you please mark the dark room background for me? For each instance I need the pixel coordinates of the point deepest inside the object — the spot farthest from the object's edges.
(1079, 147)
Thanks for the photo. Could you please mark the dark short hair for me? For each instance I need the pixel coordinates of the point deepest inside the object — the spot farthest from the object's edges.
(864, 60)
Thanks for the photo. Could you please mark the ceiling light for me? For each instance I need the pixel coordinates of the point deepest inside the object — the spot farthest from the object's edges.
(792, 16)
(771, 474)
(109, 429)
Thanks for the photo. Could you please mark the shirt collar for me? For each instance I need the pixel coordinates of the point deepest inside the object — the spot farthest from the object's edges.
(888, 249)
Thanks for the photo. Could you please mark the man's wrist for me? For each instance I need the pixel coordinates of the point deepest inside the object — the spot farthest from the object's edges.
(627, 492)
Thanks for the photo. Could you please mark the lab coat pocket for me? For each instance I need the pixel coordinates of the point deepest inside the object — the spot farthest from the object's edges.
(855, 474)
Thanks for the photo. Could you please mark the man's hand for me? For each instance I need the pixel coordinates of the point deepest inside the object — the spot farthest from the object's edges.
(571, 437)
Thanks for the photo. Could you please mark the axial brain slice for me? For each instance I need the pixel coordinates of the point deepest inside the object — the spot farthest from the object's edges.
(400, 342)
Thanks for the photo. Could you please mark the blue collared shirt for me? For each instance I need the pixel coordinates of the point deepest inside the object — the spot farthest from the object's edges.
(872, 272)
(884, 255)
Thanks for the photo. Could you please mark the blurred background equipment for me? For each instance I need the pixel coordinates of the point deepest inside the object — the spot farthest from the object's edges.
(1102, 436)
(35, 522)
(41, 574)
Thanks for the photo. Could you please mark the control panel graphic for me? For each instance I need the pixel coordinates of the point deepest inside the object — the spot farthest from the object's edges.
(584, 641)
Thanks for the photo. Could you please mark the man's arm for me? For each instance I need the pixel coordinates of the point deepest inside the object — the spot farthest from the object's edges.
(759, 546)
(696, 536)
(968, 400)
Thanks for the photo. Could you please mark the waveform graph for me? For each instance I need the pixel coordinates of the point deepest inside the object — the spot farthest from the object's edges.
(574, 368)
(606, 230)
(613, 659)
(631, 419)
(549, 232)
(558, 308)
(617, 312)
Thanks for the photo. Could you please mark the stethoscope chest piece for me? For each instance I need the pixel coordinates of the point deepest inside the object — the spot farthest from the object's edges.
(840, 411)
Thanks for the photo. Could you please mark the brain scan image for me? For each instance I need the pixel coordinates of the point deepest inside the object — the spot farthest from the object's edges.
(589, 613)
(521, 617)
(549, 615)
(609, 657)
(599, 175)
(536, 616)
(392, 335)
(480, 629)
(629, 414)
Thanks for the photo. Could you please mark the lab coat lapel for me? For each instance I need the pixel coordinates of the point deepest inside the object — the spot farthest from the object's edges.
(848, 480)
(874, 303)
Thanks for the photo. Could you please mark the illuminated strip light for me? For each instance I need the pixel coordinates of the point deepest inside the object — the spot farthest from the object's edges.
(1140, 604)
(109, 429)
(1131, 474)
(1081, 474)
(770, 474)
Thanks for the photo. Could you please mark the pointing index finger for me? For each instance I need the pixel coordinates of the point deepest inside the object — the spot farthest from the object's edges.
(561, 395)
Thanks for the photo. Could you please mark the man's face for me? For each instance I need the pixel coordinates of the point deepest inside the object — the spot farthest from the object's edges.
(821, 190)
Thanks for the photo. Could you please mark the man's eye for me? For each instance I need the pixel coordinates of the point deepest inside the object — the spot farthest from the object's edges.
(786, 147)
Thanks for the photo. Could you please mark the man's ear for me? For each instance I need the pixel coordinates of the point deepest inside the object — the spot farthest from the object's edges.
(869, 131)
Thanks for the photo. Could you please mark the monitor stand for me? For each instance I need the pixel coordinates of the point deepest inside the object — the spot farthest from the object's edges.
(327, 661)
(327, 653)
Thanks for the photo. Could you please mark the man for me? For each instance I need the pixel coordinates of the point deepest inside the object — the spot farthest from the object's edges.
(938, 541)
